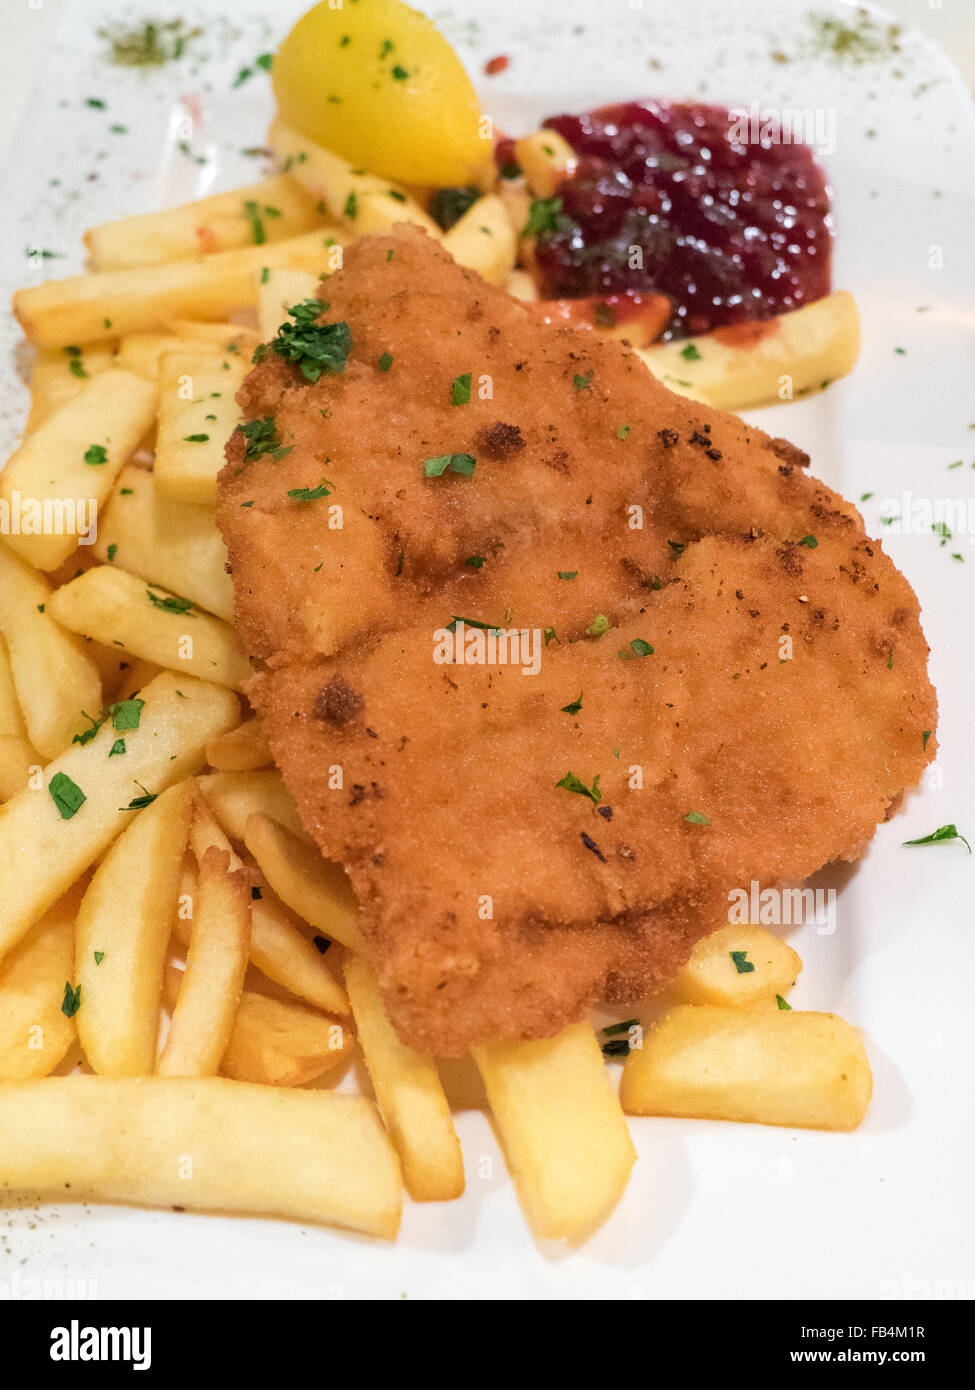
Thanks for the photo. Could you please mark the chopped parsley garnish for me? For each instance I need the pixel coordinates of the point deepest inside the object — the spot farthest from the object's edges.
(571, 783)
(385, 362)
(613, 1030)
(99, 956)
(690, 353)
(742, 964)
(544, 215)
(599, 625)
(575, 706)
(66, 795)
(314, 347)
(71, 1002)
(399, 74)
(88, 734)
(96, 454)
(126, 714)
(139, 802)
(943, 832)
(697, 818)
(460, 390)
(112, 551)
(351, 209)
(678, 547)
(265, 61)
(117, 748)
(311, 494)
(474, 562)
(262, 438)
(472, 622)
(567, 574)
(925, 735)
(151, 46)
(638, 647)
(195, 438)
(616, 1047)
(810, 542)
(448, 205)
(464, 464)
(581, 383)
(549, 636)
(782, 1003)
(623, 432)
(169, 603)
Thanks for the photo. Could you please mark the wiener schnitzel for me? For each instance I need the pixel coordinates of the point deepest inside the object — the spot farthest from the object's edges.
(722, 678)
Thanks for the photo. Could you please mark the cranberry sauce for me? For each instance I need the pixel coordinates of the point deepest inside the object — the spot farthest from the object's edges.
(667, 199)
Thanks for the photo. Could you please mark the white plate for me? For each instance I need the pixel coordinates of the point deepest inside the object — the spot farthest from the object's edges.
(713, 1210)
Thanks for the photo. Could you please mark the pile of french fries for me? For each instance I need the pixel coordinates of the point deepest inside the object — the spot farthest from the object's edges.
(181, 973)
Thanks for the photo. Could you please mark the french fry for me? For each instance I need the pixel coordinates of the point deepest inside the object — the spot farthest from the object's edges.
(113, 303)
(410, 1097)
(119, 608)
(484, 240)
(169, 542)
(278, 947)
(564, 1134)
(547, 159)
(804, 1070)
(226, 336)
(215, 964)
(309, 1155)
(122, 935)
(197, 415)
(312, 886)
(363, 202)
(141, 353)
(277, 292)
(35, 1032)
(233, 796)
(521, 285)
(136, 677)
(765, 966)
(69, 464)
(268, 211)
(60, 374)
(284, 954)
(244, 749)
(49, 837)
(278, 1043)
(755, 364)
(54, 677)
(17, 753)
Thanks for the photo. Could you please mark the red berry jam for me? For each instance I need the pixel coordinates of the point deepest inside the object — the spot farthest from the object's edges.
(667, 199)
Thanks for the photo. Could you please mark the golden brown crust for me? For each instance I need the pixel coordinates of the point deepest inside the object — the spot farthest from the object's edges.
(785, 698)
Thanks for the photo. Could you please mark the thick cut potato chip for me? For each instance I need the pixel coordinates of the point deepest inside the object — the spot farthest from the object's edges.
(244, 749)
(484, 240)
(315, 888)
(122, 935)
(198, 413)
(565, 1136)
(736, 966)
(17, 754)
(280, 1043)
(66, 469)
(205, 1145)
(806, 1070)
(56, 681)
(49, 837)
(268, 211)
(363, 202)
(169, 542)
(35, 1030)
(752, 363)
(113, 303)
(410, 1097)
(120, 609)
(233, 796)
(60, 374)
(215, 966)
